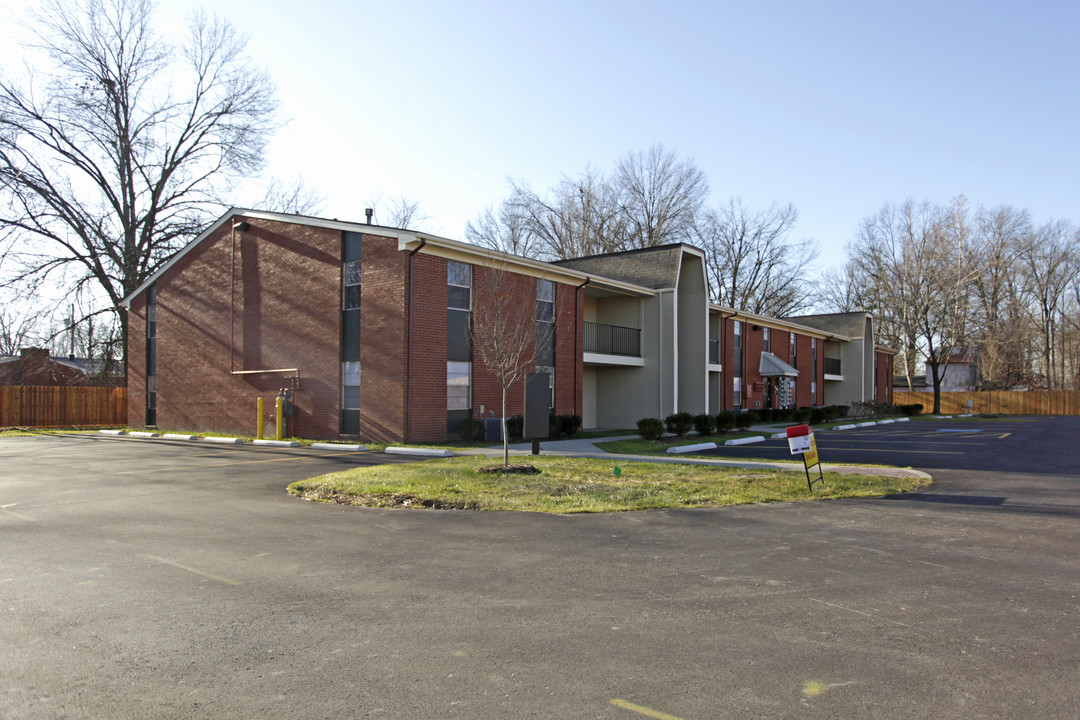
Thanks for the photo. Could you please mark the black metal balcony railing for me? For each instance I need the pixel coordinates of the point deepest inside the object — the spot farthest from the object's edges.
(714, 352)
(612, 339)
(832, 366)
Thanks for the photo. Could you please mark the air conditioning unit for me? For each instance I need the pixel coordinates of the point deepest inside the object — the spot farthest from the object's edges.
(493, 429)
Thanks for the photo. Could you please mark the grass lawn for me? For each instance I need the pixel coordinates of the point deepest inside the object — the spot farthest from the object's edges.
(573, 485)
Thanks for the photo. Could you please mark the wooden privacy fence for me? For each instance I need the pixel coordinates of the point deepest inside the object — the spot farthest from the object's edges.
(1004, 402)
(37, 406)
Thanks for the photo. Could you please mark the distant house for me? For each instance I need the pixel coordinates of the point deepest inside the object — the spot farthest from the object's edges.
(959, 372)
(34, 366)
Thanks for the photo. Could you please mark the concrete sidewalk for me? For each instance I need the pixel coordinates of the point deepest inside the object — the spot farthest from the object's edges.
(587, 448)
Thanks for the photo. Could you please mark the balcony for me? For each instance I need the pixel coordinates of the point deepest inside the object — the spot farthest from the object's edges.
(714, 352)
(612, 340)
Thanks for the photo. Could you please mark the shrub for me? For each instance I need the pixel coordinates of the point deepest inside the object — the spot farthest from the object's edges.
(765, 414)
(744, 420)
(650, 428)
(569, 424)
(679, 423)
(782, 414)
(515, 427)
(817, 415)
(910, 410)
(704, 424)
(725, 421)
(834, 412)
(801, 416)
(471, 429)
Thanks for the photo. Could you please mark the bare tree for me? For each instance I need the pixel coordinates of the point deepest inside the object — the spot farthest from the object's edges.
(504, 232)
(503, 334)
(119, 152)
(1048, 262)
(915, 264)
(753, 265)
(660, 196)
(293, 196)
(399, 211)
(577, 217)
(997, 322)
(20, 326)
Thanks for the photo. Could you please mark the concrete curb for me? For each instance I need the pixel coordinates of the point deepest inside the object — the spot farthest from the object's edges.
(844, 427)
(745, 440)
(142, 434)
(425, 452)
(223, 440)
(338, 446)
(111, 432)
(691, 448)
(276, 443)
(175, 436)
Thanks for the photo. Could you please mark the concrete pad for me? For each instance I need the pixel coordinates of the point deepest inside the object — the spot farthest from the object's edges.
(746, 440)
(276, 443)
(223, 440)
(425, 452)
(697, 447)
(338, 446)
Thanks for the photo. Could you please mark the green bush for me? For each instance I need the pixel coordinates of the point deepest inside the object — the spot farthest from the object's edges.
(910, 410)
(782, 414)
(650, 428)
(801, 416)
(725, 421)
(679, 423)
(835, 412)
(569, 424)
(764, 414)
(704, 424)
(817, 415)
(744, 420)
(471, 429)
(515, 427)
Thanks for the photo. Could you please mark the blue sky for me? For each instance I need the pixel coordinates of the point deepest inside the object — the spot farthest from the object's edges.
(837, 107)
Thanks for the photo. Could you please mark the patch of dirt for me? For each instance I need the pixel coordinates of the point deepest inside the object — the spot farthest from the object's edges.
(386, 500)
(509, 469)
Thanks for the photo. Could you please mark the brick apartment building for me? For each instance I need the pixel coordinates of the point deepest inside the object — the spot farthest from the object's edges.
(368, 328)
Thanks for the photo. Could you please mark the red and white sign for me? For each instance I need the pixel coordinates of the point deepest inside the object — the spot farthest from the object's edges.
(799, 439)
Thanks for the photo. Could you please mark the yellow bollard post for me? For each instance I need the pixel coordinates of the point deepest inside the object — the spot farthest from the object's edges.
(279, 416)
(259, 424)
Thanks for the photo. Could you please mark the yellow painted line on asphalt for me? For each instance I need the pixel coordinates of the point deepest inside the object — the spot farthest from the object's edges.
(208, 576)
(240, 462)
(647, 712)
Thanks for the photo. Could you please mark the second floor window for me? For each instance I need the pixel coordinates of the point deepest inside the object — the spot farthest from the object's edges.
(459, 285)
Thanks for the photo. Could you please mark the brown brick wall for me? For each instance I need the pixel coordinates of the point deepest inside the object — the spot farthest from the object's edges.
(136, 362)
(883, 388)
(427, 358)
(268, 298)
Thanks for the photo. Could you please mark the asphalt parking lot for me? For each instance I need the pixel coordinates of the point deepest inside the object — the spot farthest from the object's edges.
(957, 443)
(147, 579)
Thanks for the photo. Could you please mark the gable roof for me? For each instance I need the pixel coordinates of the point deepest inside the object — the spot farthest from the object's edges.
(851, 324)
(656, 267)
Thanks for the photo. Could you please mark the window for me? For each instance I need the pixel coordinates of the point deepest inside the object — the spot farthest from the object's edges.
(151, 356)
(791, 348)
(352, 286)
(766, 341)
(813, 371)
(545, 301)
(350, 385)
(459, 285)
(457, 385)
(737, 367)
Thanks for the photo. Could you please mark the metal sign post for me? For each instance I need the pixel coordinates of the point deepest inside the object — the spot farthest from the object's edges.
(801, 442)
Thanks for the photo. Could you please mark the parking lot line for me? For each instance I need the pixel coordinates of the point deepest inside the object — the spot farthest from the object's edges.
(208, 576)
(640, 710)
